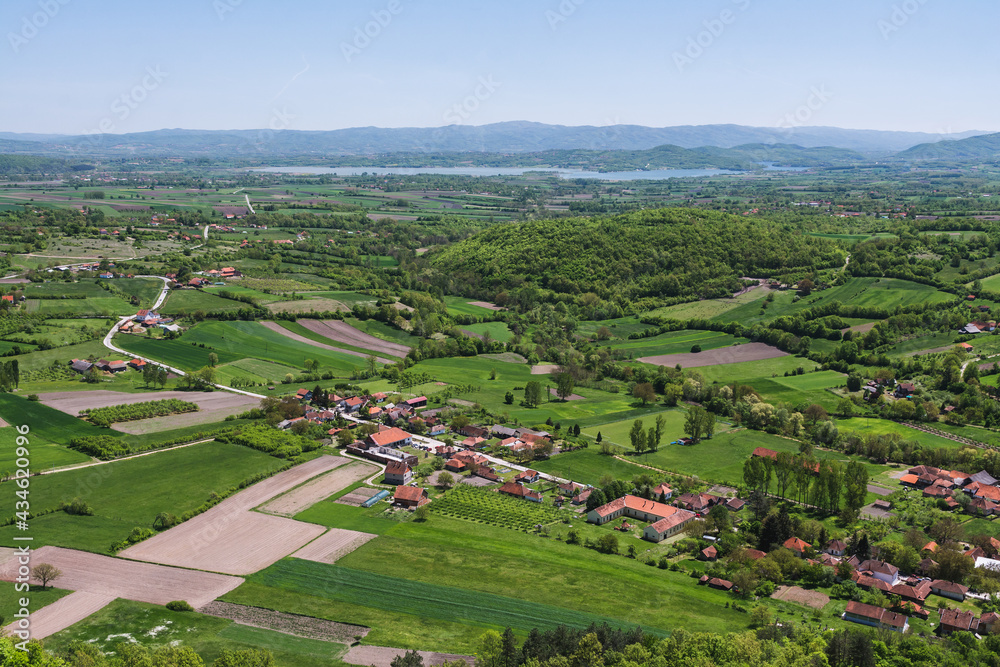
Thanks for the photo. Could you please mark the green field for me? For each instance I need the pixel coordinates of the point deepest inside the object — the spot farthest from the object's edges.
(676, 342)
(497, 330)
(253, 369)
(190, 300)
(171, 481)
(744, 371)
(619, 328)
(10, 599)
(863, 426)
(154, 626)
(710, 308)
(461, 306)
(179, 353)
(383, 331)
(800, 389)
(299, 329)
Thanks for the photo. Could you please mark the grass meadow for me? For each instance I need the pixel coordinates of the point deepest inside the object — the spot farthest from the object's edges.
(172, 481)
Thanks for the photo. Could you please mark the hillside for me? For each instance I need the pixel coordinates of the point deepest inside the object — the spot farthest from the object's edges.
(508, 137)
(652, 255)
(976, 149)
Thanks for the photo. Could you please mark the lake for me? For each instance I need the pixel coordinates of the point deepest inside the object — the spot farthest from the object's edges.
(652, 175)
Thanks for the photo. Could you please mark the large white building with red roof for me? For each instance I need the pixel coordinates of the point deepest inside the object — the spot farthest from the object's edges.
(665, 520)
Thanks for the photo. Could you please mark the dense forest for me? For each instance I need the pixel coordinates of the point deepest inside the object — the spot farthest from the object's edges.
(653, 256)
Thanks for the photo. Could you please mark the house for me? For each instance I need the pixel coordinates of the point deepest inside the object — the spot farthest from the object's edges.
(410, 496)
(80, 365)
(437, 429)
(983, 491)
(965, 346)
(796, 546)
(709, 554)
(503, 432)
(630, 506)
(720, 584)
(881, 570)
(520, 491)
(137, 364)
(526, 477)
(876, 617)
(697, 502)
(570, 488)
(581, 497)
(663, 492)
(983, 478)
(304, 395)
(953, 620)
(904, 390)
(835, 548)
(487, 474)
(8, 297)
(735, 504)
(970, 329)
(353, 404)
(916, 592)
(393, 437)
(668, 526)
(117, 366)
(455, 465)
(931, 546)
(397, 472)
(418, 402)
(949, 589)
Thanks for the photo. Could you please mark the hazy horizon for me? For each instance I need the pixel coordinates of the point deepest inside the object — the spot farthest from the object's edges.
(124, 67)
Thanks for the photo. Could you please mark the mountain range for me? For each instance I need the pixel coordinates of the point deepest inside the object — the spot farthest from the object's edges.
(526, 144)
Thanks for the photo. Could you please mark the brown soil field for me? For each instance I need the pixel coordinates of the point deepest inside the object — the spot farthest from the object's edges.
(332, 546)
(723, 355)
(357, 496)
(507, 357)
(220, 403)
(342, 332)
(118, 578)
(544, 369)
(303, 497)
(486, 304)
(229, 537)
(933, 350)
(308, 305)
(381, 656)
(860, 328)
(157, 424)
(289, 624)
(571, 397)
(880, 490)
(64, 612)
(275, 327)
(813, 599)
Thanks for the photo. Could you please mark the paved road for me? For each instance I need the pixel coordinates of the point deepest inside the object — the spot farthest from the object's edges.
(159, 302)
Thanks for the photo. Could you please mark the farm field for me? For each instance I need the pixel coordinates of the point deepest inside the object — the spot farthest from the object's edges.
(303, 497)
(195, 473)
(308, 305)
(342, 332)
(676, 342)
(383, 331)
(186, 301)
(482, 504)
(863, 426)
(710, 308)
(745, 371)
(236, 547)
(620, 328)
(152, 625)
(239, 340)
(722, 356)
(253, 370)
(461, 306)
(305, 340)
(799, 389)
(333, 545)
(179, 353)
(497, 330)
(299, 327)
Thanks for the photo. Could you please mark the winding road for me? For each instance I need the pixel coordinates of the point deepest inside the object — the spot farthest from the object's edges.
(159, 302)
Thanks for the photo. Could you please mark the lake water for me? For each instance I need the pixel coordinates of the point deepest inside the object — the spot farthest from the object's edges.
(652, 175)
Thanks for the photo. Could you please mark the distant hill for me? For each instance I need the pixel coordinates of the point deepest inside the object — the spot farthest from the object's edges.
(509, 137)
(979, 149)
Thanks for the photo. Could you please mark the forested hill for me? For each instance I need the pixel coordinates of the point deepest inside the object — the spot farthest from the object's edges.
(657, 256)
(982, 148)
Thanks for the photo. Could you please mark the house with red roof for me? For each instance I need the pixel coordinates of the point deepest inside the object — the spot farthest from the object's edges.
(630, 506)
(397, 472)
(876, 617)
(520, 491)
(410, 496)
(949, 589)
(796, 545)
(393, 437)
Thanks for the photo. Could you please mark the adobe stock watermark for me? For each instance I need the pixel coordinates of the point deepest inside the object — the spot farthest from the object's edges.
(463, 110)
(280, 119)
(901, 15)
(32, 24)
(125, 104)
(223, 7)
(698, 44)
(561, 14)
(817, 99)
(369, 32)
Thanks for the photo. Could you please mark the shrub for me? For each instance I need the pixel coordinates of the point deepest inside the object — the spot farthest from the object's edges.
(77, 508)
(33, 397)
(179, 605)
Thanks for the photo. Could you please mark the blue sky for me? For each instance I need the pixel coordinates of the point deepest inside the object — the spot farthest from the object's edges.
(76, 66)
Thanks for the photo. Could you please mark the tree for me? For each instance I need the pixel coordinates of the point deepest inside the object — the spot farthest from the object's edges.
(855, 486)
(816, 413)
(589, 652)
(608, 543)
(806, 287)
(532, 393)
(345, 437)
(252, 657)
(699, 423)
(661, 427)
(637, 436)
(45, 572)
(846, 408)
(213, 359)
(644, 392)
(564, 385)
(600, 438)
(161, 376)
(445, 480)
(508, 398)
(596, 499)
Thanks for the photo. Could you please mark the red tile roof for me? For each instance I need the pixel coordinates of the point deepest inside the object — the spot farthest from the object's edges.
(795, 544)
(883, 616)
(637, 504)
(410, 493)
